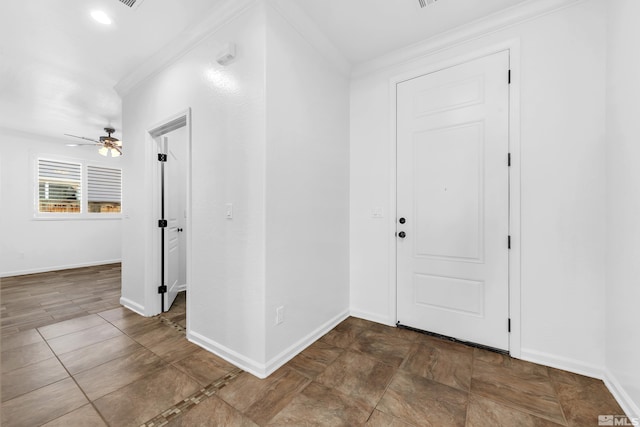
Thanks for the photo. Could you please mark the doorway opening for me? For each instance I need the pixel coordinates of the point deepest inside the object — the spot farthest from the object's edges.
(171, 141)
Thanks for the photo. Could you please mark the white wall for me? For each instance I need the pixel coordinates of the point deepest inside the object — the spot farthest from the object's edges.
(623, 204)
(307, 191)
(29, 245)
(259, 143)
(562, 128)
(226, 286)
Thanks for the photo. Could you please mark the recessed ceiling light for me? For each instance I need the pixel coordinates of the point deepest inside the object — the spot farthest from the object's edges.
(101, 17)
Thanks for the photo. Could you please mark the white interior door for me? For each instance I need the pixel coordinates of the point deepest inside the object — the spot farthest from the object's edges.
(453, 193)
(173, 210)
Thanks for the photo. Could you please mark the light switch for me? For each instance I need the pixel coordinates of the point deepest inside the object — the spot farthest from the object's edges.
(228, 210)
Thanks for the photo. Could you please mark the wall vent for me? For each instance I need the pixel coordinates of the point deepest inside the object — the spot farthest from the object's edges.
(131, 3)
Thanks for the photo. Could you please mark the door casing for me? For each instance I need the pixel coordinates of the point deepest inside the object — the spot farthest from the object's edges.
(513, 47)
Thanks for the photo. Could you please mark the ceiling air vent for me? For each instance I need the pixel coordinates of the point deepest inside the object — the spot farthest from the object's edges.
(423, 3)
(131, 3)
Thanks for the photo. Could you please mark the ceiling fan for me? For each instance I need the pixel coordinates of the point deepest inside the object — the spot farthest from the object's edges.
(109, 146)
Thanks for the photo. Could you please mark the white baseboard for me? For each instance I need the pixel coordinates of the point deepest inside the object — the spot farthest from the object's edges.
(361, 314)
(564, 363)
(133, 306)
(291, 352)
(182, 287)
(231, 356)
(57, 268)
(263, 370)
(631, 408)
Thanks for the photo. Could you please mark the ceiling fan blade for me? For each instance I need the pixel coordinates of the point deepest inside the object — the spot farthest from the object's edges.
(86, 139)
(84, 144)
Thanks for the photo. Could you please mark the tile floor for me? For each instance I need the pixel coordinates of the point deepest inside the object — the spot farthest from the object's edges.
(116, 368)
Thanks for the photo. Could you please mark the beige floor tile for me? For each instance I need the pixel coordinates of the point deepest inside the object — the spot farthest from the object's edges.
(26, 355)
(380, 419)
(75, 340)
(442, 363)
(70, 326)
(204, 367)
(583, 398)
(212, 412)
(32, 377)
(422, 402)
(359, 376)
(9, 342)
(85, 416)
(485, 412)
(96, 354)
(513, 366)
(315, 359)
(145, 398)
(318, 405)
(42, 405)
(260, 399)
(345, 333)
(174, 348)
(391, 350)
(117, 373)
(521, 389)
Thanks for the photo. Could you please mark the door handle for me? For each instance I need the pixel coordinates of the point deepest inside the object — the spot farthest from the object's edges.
(402, 234)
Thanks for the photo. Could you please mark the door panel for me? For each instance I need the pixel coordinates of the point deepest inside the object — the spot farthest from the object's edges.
(453, 191)
(172, 214)
(448, 174)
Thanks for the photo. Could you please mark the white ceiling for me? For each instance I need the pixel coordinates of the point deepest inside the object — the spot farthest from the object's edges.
(58, 67)
(365, 29)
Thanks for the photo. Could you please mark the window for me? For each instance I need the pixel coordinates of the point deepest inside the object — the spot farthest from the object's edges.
(59, 186)
(75, 190)
(104, 189)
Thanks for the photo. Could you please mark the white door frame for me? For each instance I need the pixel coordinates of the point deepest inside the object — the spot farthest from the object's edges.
(153, 134)
(513, 47)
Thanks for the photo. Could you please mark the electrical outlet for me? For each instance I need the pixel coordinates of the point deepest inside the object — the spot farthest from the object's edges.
(279, 315)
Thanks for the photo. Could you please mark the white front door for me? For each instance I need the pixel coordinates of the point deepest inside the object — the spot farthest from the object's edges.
(173, 209)
(453, 201)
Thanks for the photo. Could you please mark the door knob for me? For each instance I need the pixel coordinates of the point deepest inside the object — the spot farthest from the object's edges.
(402, 234)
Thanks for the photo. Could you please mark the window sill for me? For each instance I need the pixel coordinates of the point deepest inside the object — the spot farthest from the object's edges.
(78, 217)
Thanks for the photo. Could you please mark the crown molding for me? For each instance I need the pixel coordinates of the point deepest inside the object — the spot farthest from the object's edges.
(217, 17)
(309, 31)
(481, 27)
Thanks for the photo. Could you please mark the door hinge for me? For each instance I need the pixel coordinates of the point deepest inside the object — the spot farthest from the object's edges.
(162, 157)
(162, 289)
(162, 223)
(509, 77)
(508, 159)
(509, 325)
(509, 242)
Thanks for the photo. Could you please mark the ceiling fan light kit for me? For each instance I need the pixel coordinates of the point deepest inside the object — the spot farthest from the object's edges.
(109, 146)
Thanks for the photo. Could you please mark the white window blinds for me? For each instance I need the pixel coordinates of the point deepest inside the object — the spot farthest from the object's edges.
(59, 186)
(104, 189)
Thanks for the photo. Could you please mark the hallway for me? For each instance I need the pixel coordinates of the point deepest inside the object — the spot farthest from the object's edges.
(114, 367)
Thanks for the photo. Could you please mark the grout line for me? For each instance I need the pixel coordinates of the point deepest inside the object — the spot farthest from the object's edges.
(190, 402)
(75, 382)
